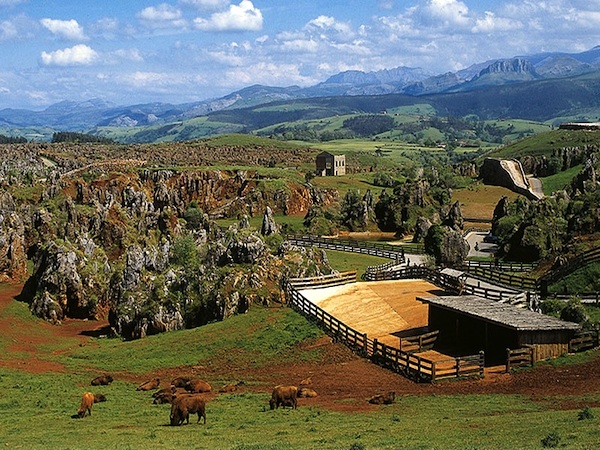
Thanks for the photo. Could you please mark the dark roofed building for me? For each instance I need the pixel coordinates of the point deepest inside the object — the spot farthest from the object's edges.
(472, 323)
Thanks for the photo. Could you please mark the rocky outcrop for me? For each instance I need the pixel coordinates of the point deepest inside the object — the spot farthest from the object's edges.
(268, 225)
(508, 174)
(13, 258)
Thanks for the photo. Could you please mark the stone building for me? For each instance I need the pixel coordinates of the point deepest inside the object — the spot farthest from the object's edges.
(328, 165)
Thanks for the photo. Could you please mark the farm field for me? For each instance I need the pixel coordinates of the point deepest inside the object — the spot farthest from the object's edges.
(480, 200)
(44, 370)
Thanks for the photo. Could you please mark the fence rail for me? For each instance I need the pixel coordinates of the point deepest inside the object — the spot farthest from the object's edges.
(409, 364)
(519, 357)
(507, 279)
(324, 280)
(501, 266)
(584, 341)
(412, 344)
(380, 249)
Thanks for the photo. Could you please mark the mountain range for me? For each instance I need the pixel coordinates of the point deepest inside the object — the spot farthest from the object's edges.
(486, 89)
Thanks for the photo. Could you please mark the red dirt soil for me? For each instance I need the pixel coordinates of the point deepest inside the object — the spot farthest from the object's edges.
(343, 380)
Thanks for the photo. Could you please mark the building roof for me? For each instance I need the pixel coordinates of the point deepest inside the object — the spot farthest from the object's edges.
(503, 314)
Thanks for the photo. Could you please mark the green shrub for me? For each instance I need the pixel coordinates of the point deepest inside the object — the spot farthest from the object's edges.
(552, 307)
(551, 441)
(585, 414)
(574, 312)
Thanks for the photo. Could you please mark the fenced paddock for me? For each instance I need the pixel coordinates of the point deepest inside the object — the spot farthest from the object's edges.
(367, 317)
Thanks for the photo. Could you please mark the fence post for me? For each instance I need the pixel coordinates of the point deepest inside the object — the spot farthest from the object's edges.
(375, 344)
(365, 345)
(481, 363)
(508, 360)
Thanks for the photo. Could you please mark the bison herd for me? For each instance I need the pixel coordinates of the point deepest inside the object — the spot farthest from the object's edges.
(186, 396)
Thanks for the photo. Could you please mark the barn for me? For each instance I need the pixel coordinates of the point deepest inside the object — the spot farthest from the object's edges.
(469, 324)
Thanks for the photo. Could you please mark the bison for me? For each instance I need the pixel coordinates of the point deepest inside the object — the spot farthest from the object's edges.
(231, 387)
(284, 396)
(180, 382)
(87, 400)
(102, 380)
(184, 405)
(149, 385)
(164, 397)
(383, 399)
(306, 393)
(196, 386)
(99, 398)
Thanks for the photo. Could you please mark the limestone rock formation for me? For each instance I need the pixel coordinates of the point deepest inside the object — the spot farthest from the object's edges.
(268, 225)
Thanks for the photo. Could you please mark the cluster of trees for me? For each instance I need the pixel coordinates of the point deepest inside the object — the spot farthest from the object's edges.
(69, 136)
(12, 139)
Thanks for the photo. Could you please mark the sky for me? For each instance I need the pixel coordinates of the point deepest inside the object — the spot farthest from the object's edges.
(179, 51)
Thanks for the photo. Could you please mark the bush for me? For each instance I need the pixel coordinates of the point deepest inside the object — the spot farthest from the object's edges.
(551, 441)
(585, 414)
(574, 312)
(552, 307)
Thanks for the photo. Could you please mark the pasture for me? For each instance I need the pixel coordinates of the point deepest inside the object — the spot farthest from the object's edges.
(45, 369)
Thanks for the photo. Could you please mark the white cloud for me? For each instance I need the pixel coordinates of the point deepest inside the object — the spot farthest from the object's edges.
(300, 45)
(8, 30)
(242, 17)
(491, 23)
(11, 2)
(74, 56)
(68, 29)
(162, 16)
(450, 12)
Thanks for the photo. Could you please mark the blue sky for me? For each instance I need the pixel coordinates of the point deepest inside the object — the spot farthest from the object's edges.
(137, 51)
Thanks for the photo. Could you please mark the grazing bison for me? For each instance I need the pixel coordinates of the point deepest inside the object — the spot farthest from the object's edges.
(184, 405)
(99, 398)
(306, 393)
(383, 399)
(102, 380)
(284, 396)
(87, 400)
(180, 382)
(149, 385)
(196, 386)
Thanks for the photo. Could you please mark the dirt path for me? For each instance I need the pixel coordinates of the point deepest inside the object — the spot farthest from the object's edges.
(343, 380)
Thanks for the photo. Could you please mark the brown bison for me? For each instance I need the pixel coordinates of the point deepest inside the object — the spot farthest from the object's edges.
(306, 393)
(306, 382)
(180, 382)
(284, 396)
(149, 385)
(164, 397)
(196, 386)
(231, 387)
(102, 380)
(87, 401)
(184, 405)
(383, 399)
(99, 398)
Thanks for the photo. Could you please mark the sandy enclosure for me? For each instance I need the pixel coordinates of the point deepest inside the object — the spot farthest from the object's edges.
(382, 309)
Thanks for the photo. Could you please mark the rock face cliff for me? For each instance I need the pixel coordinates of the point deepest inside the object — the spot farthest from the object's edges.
(141, 246)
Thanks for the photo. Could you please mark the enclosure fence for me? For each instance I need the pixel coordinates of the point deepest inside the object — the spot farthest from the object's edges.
(407, 363)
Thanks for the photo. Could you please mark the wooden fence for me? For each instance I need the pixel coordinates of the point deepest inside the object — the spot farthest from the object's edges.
(504, 278)
(412, 344)
(519, 357)
(500, 266)
(380, 249)
(584, 341)
(324, 280)
(447, 282)
(411, 365)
